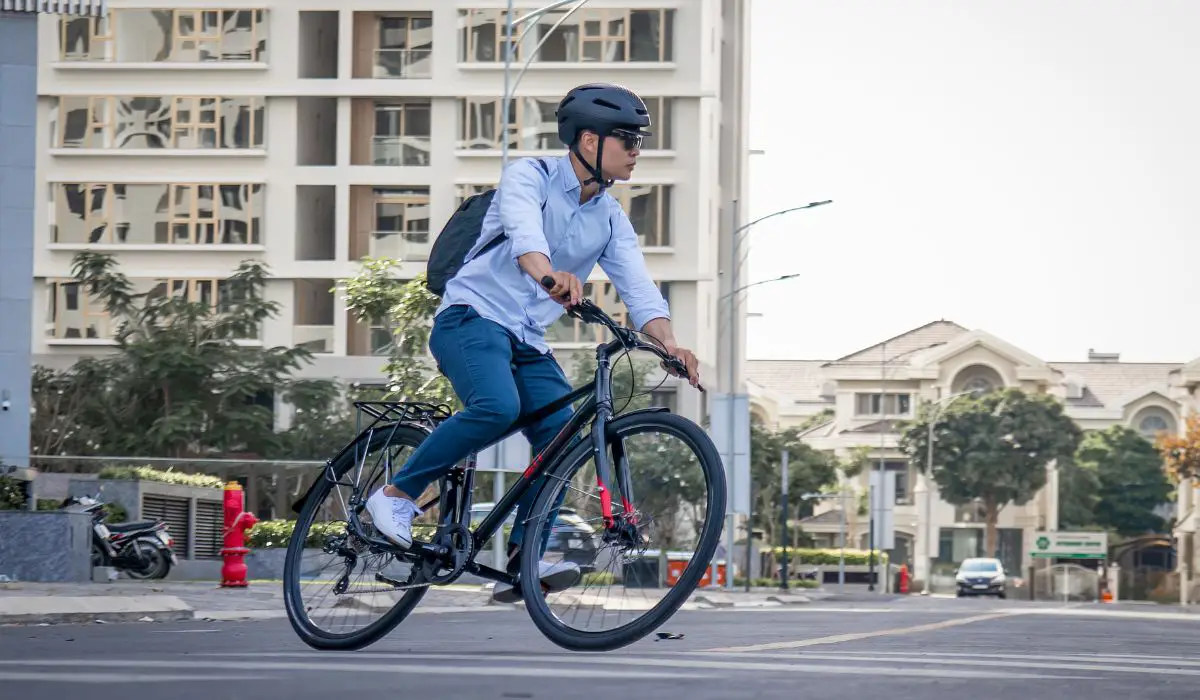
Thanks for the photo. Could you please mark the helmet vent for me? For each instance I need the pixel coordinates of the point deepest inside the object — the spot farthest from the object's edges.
(605, 103)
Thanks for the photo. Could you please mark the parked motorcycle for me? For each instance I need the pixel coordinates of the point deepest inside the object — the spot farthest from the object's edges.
(142, 549)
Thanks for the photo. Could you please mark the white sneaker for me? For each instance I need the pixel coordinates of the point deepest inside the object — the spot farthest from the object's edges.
(393, 517)
(556, 576)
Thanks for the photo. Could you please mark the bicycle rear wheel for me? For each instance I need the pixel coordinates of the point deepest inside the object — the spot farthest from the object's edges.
(678, 500)
(325, 557)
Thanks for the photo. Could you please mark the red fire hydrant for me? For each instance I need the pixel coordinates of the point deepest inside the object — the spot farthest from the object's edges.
(237, 522)
(904, 578)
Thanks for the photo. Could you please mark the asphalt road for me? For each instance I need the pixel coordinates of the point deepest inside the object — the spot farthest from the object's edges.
(909, 648)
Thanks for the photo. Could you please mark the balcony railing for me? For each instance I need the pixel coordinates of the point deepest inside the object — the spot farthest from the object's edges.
(403, 245)
(400, 150)
(403, 63)
(316, 339)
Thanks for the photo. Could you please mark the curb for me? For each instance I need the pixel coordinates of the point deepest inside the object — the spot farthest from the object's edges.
(36, 610)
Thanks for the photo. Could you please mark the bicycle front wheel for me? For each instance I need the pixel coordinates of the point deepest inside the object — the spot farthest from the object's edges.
(631, 581)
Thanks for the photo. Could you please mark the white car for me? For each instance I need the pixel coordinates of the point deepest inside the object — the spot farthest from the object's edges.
(980, 576)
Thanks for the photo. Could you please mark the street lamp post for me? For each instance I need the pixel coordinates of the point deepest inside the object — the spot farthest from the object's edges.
(841, 499)
(938, 406)
(734, 265)
(510, 84)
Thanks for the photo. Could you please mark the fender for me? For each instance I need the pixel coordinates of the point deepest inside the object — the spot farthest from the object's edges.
(298, 504)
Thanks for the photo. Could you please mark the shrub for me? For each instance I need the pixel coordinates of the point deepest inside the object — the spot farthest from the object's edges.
(277, 534)
(167, 476)
(12, 493)
(826, 557)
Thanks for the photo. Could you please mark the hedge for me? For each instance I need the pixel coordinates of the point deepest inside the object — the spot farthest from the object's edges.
(147, 473)
(277, 534)
(825, 557)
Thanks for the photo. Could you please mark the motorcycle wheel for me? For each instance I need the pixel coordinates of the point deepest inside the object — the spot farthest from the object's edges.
(152, 559)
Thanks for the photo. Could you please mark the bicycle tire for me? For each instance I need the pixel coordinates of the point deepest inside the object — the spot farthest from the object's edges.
(308, 632)
(575, 640)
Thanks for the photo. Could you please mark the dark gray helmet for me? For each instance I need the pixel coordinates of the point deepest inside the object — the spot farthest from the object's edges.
(600, 107)
(603, 108)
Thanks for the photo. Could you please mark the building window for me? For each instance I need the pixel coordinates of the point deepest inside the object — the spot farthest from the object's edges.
(1151, 421)
(532, 125)
(156, 214)
(882, 404)
(405, 47)
(401, 134)
(603, 294)
(130, 35)
(461, 192)
(649, 210)
(591, 35)
(74, 314)
(401, 227)
(132, 122)
(217, 294)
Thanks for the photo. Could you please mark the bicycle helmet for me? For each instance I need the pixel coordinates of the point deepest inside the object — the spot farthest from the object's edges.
(603, 108)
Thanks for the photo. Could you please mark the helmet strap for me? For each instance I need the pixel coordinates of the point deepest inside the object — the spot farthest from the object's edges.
(597, 171)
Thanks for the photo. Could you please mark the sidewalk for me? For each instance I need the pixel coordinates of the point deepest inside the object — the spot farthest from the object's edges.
(170, 601)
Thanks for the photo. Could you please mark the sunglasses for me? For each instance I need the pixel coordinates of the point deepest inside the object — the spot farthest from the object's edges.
(629, 139)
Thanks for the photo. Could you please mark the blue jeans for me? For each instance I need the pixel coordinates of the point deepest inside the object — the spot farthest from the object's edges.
(498, 378)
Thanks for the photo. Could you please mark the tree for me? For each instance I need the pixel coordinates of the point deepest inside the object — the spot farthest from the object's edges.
(404, 309)
(1078, 494)
(1182, 453)
(179, 383)
(809, 470)
(993, 447)
(1130, 479)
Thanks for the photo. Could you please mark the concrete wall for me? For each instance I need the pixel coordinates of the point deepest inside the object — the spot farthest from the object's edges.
(18, 138)
(46, 546)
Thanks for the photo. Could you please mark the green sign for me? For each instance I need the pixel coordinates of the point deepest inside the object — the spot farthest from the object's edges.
(1070, 545)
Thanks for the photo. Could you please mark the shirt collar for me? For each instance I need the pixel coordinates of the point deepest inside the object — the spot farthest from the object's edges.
(570, 182)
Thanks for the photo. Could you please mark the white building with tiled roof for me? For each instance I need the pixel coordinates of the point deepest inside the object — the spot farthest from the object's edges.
(867, 392)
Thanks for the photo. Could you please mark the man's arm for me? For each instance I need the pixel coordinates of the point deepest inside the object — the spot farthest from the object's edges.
(625, 265)
(520, 195)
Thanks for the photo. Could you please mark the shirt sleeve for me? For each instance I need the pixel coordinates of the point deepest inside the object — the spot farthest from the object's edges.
(624, 264)
(520, 194)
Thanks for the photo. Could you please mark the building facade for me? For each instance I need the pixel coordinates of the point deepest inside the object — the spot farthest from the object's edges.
(185, 137)
(856, 401)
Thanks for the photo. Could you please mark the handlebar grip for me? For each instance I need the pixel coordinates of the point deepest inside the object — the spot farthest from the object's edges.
(548, 282)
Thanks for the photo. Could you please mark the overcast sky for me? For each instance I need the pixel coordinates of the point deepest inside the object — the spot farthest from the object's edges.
(1024, 167)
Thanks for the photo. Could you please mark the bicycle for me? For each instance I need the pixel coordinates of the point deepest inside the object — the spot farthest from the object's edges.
(451, 550)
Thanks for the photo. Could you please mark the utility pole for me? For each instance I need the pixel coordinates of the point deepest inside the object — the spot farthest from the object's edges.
(783, 579)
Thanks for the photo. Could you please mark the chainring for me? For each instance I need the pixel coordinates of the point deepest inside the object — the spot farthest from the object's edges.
(458, 539)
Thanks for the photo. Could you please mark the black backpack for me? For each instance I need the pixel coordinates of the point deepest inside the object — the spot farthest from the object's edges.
(459, 235)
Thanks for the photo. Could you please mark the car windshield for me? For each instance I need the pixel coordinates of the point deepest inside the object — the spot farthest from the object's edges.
(980, 566)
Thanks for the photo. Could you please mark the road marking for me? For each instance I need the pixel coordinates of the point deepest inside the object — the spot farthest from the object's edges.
(415, 669)
(57, 677)
(1097, 656)
(1029, 663)
(839, 638)
(680, 662)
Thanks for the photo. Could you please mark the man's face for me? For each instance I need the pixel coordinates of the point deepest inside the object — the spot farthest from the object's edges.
(621, 149)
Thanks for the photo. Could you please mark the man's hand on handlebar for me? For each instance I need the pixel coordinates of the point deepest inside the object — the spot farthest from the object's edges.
(564, 288)
(690, 363)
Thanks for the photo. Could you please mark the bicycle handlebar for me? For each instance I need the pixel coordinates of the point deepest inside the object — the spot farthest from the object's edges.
(588, 312)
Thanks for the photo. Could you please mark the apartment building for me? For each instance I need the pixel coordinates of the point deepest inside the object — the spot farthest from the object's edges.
(186, 137)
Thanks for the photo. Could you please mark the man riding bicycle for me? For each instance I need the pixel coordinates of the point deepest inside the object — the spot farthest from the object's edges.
(488, 335)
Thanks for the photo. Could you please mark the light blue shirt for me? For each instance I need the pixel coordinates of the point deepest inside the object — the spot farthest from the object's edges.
(575, 237)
